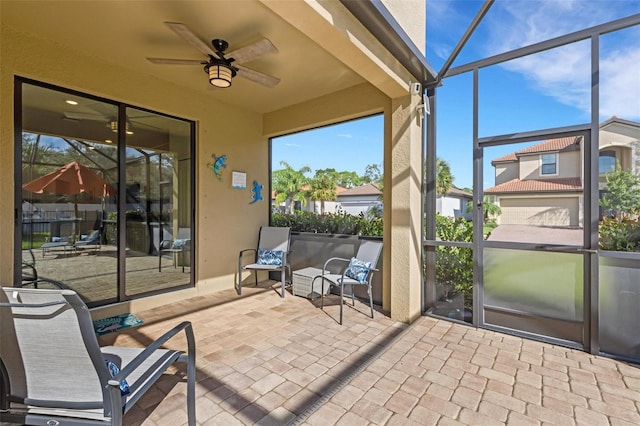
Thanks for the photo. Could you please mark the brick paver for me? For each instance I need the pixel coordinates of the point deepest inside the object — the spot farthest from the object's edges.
(272, 361)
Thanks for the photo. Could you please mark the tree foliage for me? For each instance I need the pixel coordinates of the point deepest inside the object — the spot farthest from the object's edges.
(373, 174)
(444, 178)
(622, 198)
(323, 187)
(349, 179)
(287, 184)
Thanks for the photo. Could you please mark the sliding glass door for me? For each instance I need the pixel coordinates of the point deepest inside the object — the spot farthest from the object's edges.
(103, 188)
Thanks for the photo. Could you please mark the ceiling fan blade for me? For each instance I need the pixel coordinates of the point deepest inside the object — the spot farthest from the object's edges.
(252, 51)
(258, 77)
(84, 116)
(167, 61)
(190, 38)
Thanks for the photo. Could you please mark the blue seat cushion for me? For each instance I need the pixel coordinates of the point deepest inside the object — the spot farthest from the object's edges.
(269, 257)
(179, 244)
(358, 270)
(114, 370)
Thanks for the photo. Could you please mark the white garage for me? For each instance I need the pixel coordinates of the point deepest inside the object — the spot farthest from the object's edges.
(541, 211)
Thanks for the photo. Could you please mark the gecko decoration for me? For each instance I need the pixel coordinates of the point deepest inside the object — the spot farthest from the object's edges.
(256, 192)
(218, 164)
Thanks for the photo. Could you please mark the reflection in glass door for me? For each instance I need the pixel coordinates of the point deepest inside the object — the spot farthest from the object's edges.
(69, 159)
(158, 200)
(106, 196)
(535, 252)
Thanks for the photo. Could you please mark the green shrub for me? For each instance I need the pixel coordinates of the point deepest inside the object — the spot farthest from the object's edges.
(619, 234)
(330, 223)
(454, 265)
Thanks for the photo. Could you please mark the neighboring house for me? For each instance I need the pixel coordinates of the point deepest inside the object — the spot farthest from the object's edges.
(543, 184)
(454, 204)
(351, 201)
(359, 199)
(316, 206)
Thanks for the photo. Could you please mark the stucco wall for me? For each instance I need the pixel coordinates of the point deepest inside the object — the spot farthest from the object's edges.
(506, 172)
(412, 16)
(568, 166)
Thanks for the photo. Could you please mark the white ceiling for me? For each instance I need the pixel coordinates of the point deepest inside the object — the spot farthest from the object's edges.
(125, 32)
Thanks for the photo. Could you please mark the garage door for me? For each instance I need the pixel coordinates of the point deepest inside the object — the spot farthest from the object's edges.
(551, 211)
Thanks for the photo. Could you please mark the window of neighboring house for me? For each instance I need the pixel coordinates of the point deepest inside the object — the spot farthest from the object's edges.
(607, 162)
(549, 164)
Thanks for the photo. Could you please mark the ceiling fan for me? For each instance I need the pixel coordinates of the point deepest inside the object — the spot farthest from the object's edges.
(106, 114)
(220, 66)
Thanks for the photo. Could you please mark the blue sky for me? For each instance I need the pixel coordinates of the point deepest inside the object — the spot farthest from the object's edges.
(546, 90)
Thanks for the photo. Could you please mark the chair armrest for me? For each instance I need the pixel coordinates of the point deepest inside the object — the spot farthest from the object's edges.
(155, 345)
(242, 252)
(165, 244)
(333, 259)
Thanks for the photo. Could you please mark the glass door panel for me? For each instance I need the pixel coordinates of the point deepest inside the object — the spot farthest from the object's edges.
(534, 257)
(158, 200)
(69, 192)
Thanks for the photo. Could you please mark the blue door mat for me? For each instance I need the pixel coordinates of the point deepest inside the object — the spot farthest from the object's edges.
(117, 323)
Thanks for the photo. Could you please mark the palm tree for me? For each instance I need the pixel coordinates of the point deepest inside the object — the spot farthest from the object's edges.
(444, 178)
(323, 187)
(287, 184)
(489, 208)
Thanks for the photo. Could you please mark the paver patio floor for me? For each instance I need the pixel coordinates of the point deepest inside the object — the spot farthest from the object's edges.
(271, 361)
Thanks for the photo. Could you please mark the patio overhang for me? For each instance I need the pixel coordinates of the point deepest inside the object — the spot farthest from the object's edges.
(323, 47)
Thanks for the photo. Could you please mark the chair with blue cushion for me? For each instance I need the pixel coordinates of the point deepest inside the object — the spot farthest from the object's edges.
(178, 247)
(53, 372)
(357, 271)
(91, 241)
(270, 255)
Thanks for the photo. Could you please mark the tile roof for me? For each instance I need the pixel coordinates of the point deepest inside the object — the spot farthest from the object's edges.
(552, 145)
(457, 191)
(366, 189)
(537, 185)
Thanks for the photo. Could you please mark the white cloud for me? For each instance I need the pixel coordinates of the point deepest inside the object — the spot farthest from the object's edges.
(564, 73)
(345, 135)
(291, 144)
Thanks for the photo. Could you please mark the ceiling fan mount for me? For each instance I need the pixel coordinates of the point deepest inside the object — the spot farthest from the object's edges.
(220, 45)
(217, 66)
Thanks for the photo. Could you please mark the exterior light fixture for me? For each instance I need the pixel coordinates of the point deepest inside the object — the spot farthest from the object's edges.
(71, 102)
(113, 125)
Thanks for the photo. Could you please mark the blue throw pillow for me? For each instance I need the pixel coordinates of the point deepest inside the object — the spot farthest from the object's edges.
(270, 257)
(114, 370)
(358, 270)
(179, 244)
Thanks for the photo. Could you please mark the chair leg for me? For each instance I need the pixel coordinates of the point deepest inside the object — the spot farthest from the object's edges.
(341, 300)
(239, 276)
(353, 298)
(370, 298)
(283, 275)
(159, 260)
(321, 293)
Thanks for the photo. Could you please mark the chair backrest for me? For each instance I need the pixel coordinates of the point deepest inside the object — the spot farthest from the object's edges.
(184, 234)
(369, 251)
(49, 350)
(274, 238)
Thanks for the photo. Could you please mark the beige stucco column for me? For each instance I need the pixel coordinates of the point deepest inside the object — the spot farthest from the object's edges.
(402, 292)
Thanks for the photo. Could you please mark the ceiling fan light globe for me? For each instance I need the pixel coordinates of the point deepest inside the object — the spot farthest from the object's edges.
(220, 75)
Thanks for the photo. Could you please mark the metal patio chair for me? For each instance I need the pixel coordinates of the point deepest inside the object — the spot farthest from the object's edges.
(178, 247)
(357, 271)
(54, 373)
(270, 255)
